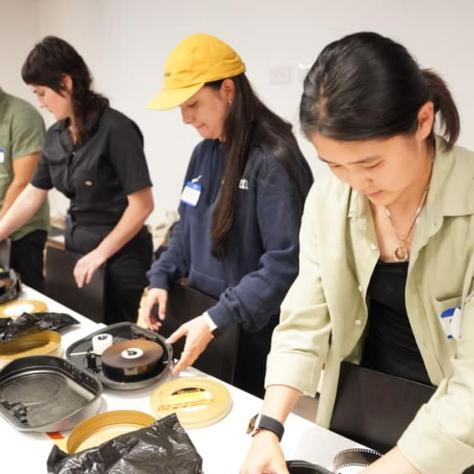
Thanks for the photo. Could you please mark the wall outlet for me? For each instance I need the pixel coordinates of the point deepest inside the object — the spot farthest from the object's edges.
(280, 75)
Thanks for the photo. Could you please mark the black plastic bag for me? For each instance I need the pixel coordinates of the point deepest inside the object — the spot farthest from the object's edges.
(10, 328)
(10, 281)
(163, 448)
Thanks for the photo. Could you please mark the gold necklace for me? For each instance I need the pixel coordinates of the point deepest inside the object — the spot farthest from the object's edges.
(401, 253)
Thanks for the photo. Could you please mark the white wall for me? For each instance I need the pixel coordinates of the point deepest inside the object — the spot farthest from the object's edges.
(125, 43)
(19, 29)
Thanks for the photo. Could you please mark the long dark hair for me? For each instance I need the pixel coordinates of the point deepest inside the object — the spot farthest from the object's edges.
(250, 124)
(47, 64)
(367, 86)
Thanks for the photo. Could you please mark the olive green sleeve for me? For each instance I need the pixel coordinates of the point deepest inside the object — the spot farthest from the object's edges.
(27, 132)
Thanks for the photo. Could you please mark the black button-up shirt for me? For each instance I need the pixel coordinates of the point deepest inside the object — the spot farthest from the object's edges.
(100, 172)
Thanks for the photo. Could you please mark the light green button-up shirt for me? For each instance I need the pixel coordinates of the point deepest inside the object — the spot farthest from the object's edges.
(324, 314)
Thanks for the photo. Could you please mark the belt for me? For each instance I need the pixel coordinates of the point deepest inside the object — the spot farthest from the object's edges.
(92, 220)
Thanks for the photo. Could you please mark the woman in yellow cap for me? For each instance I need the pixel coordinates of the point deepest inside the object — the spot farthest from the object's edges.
(240, 210)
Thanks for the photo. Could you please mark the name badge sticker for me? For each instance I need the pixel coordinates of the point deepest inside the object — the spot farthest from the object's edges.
(191, 193)
(2, 154)
(456, 323)
(451, 319)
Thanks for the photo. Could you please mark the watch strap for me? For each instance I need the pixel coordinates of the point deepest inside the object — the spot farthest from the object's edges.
(264, 422)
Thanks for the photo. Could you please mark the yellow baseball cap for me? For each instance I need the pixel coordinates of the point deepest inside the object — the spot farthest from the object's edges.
(196, 60)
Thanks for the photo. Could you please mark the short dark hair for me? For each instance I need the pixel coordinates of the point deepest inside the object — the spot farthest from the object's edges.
(47, 64)
(368, 86)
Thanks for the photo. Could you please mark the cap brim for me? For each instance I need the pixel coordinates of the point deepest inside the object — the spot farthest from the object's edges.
(170, 98)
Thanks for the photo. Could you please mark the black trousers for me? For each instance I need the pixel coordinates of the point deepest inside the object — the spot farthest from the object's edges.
(26, 258)
(125, 276)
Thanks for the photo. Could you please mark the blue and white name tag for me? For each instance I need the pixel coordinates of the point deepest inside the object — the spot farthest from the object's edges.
(191, 193)
(451, 322)
(2, 154)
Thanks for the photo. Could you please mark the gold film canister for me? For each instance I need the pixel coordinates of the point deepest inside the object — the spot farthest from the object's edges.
(103, 427)
(33, 344)
(197, 401)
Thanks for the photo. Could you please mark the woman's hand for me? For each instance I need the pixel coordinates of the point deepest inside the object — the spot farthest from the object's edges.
(86, 267)
(265, 455)
(155, 297)
(198, 335)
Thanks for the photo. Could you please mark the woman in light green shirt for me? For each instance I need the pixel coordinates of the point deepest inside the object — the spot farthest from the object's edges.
(399, 198)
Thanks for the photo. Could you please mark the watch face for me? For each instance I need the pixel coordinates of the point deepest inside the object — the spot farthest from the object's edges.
(252, 424)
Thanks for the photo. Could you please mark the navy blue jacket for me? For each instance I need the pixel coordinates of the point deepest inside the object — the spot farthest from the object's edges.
(262, 252)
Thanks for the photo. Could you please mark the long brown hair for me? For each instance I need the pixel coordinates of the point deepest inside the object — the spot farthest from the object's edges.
(251, 124)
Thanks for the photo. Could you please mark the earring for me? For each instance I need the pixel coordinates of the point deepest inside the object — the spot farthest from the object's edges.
(230, 102)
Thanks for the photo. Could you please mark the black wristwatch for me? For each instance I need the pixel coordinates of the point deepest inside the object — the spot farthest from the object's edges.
(263, 422)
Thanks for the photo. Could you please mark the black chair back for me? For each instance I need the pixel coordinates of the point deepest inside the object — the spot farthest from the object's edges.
(219, 358)
(374, 408)
(61, 286)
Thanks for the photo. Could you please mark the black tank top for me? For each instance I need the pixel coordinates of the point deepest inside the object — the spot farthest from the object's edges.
(390, 345)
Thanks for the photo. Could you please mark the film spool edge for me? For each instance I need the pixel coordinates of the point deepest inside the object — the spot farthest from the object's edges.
(124, 370)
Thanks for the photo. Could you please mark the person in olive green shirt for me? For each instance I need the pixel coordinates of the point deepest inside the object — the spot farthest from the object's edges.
(386, 276)
(21, 140)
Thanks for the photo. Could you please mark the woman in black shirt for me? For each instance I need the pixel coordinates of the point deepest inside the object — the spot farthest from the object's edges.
(94, 155)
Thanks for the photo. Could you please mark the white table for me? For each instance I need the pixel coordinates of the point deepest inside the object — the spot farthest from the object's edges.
(223, 446)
